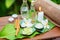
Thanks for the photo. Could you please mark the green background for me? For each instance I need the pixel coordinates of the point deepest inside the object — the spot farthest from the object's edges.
(56, 1)
(9, 7)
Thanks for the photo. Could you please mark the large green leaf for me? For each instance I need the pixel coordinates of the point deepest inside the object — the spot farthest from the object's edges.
(30, 36)
(34, 34)
(9, 3)
(8, 32)
(20, 35)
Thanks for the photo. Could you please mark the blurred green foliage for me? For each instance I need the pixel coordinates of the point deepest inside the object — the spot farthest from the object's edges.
(9, 7)
(56, 1)
(8, 3)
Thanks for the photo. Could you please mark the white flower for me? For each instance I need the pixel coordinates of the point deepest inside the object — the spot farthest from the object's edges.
(45, 23)
(11, 19)
(47, 26)
(39, 26)
(26, 23)
(14, 15)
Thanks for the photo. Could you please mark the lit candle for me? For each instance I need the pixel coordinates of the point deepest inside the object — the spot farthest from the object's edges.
(40, 16)
(40, 9)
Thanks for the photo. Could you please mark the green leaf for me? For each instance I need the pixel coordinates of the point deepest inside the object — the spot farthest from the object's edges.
(34, 34)
(8, 32)
(20, 35)
(51, 25)
(8, 3)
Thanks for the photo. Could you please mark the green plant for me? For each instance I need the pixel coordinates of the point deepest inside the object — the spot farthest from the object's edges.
(56, 1)
(9, 7)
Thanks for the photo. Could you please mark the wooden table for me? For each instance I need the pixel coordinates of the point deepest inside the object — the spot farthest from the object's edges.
(55, 32)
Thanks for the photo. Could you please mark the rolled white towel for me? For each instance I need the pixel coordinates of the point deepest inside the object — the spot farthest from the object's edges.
(11, 19)
(14, 15)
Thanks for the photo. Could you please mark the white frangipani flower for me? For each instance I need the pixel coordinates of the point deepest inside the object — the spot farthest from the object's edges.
(26, 23)
(45, 23)
(48, 26)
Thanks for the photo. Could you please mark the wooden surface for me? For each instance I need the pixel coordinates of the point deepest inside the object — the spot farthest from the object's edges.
(55, 32)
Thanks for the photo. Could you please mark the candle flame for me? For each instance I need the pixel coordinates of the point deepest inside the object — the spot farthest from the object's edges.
(40, 8)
